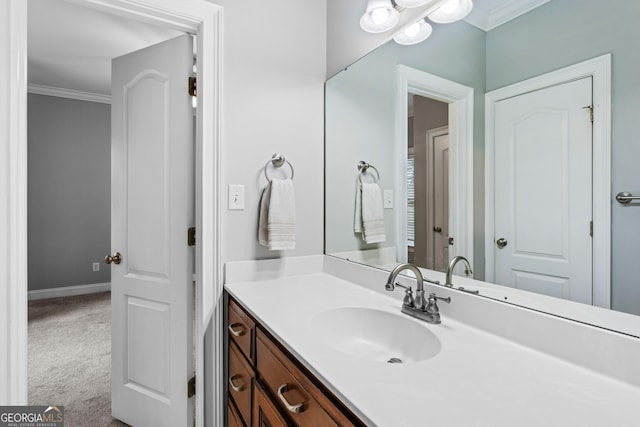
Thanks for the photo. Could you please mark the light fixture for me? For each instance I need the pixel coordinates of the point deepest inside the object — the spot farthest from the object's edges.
(380, 16)
(415, 33)
(411, 3)
(451, 11)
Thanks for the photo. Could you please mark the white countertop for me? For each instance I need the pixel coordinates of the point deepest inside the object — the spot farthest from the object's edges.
(477, 379)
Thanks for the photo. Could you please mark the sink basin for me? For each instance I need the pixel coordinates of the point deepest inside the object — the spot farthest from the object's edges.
(375, 335)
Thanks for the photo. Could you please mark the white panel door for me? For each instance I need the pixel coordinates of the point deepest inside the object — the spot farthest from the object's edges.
(440, 144)
(152, 208)
(543, 191)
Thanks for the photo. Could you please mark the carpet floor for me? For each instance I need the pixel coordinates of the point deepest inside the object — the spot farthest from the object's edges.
(70, 357)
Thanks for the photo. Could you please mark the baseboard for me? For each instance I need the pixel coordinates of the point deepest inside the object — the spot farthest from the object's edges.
(68, 291)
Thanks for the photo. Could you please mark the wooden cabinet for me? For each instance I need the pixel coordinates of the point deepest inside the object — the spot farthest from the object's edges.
(242, 330)
(241, 378)
(233, 418)
(268, 387)
(265, 413)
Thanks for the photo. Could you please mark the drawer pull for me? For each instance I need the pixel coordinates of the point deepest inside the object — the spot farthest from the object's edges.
(236, 332)
(296, 409)
(236, 388)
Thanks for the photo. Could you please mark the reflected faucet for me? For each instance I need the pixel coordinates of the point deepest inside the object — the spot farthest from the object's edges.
(452, 265)
(418, 307)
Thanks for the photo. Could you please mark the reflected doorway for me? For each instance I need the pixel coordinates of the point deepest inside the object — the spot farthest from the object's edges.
(428, 182)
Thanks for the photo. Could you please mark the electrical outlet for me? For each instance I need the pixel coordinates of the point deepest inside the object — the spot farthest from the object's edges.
(96, 266)
(236, 197)
(388, 199)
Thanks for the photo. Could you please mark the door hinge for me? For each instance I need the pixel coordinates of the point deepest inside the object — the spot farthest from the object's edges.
(193, 86)
(191, 236)
(450, 241)
(590, 107)
(191, 387)
(591, 228)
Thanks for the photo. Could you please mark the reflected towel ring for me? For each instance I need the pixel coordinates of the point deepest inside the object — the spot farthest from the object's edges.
(277, 160)
(363, 167)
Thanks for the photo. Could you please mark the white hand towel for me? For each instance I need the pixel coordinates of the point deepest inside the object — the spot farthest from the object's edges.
(357, 220)
(277, 223)
(371, 213)
(263, 233)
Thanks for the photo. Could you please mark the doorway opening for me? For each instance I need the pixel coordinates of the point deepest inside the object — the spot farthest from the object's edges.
(193, 16)
(428, 183)
(72, 205)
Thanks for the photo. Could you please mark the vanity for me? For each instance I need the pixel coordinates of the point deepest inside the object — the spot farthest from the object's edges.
(323, 332)
(268, 386)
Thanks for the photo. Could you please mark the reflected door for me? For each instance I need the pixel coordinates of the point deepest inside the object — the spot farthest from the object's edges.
(439, 143)
(543, 191)
(152, 208)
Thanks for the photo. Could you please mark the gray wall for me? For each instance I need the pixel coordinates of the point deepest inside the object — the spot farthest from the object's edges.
(564, 32)
(68, 191)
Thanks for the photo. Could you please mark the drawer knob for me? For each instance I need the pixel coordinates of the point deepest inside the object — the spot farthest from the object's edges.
(296, 409)
(236, 388)
(236, 330)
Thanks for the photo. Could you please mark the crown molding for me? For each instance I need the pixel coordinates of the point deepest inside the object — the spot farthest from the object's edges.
(68, 93)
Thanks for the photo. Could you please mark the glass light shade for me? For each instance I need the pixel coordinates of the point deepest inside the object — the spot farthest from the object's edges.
(411, 3)
(451, 11)
(413, 34)
(380, 16)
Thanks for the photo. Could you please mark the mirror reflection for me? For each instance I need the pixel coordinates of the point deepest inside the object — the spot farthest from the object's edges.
(521, 188)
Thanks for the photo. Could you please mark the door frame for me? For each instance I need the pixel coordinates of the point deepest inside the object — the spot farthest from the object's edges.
(460, 100)
(199, 17)
(599, 69)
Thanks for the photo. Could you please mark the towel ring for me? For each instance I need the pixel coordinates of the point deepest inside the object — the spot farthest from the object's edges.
(363, 167)
(277, 160)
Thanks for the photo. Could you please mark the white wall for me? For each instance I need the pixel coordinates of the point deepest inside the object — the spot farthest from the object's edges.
(273, 101)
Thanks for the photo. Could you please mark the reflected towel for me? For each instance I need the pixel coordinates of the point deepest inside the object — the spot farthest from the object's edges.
(277, 221)
(369, 216)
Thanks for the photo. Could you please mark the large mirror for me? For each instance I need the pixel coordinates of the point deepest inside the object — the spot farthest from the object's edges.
(470, 140)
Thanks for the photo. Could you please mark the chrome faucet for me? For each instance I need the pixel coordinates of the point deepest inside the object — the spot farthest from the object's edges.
(418, 307)
(452, 265)
(419, 300)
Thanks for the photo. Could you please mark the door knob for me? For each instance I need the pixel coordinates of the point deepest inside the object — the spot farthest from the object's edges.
(116, 258)
(437, 229)
(501, 242)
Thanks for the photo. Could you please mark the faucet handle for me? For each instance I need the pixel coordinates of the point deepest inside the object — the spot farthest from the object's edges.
(408, 295)
(434, 297)
(432, 304)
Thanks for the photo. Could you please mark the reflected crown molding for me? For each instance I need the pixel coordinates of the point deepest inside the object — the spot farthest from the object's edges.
(490, 14)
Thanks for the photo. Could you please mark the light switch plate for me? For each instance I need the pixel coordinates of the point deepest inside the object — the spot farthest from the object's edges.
(236, 197)
(388, 199)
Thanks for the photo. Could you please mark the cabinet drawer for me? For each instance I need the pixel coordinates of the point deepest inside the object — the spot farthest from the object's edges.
(233, 418)
(241, 329)
(265, 413)
(293, 391)
(241, 379)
